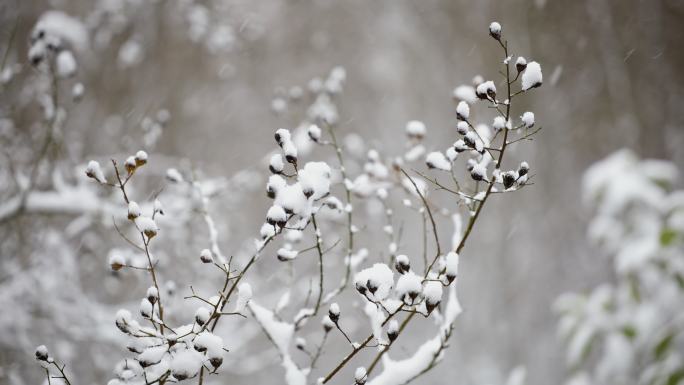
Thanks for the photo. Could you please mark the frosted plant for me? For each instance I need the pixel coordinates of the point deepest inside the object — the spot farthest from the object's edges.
(313, 211)
(629, 330)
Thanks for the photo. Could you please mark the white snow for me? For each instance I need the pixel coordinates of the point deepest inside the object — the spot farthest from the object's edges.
(484, 89)
(147, 226)
(314, 132)
(379, 276)
(186, 364)
(276, 214)
(66, 64)
(462, 110)
(285, 254)
(452, 264)
(276, 164)
(495, 28)
(415, 128)
(465, 93)
(244, 296)
(360, 375)
(134, 210)
(211, 343)
(432, 291)
(532, 76)
(499, 123)
(94, 171)
(315, 176)
(174, 175)
(437, 160)
(528, 119)
(202, 315)
(409, 287)
(146, 308)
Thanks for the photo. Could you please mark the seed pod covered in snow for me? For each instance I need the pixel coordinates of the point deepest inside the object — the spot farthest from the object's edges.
(508, 178)
(437, 160)
(202, 316)
(158, 207)
(528, 119)
(520, 64)
(42, 353)
(300, 343)
(66, 64)
(276, 216)
(523, 169)
(393, 330)
(152, 295)
(140, 158)
(276, 165)
(123, 320)
(285, 254)
(282, 136)
(409, 287)
(146, 226)
(129, 164)
(451, 268)
(402, 264)
(462, 111)
(116, 261)
(360, 376)
(462, 127)
(415, 129)
(460, 146)
(334, 312)
(495, 30)
(479, 172)
(146, 308)
(275, 184)
(94, 171)
(314, 133)
(432, 291)
(134, 210)
(486, 90)
(205, 256)
(327, 323)
(532, 77)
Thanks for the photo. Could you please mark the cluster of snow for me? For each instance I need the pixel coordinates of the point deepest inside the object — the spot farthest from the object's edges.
(437, 160)
(532, 76)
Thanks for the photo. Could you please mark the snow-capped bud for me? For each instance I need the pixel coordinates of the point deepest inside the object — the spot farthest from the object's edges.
(486, 90)
(409, 287)
(152, 295)
(146, 308)
(437, 160)
(174, 175)
(460, 146)
(123, 320)
(282, 136)
(499, 123)
(94, 171)
(479, 172)
(205, 256)
(495, 30)
(266, 231)
(523, 169)
(532, 77)
(286, 254)
(140, 158)
(462, 111)
(361, 287)
(393, 330)
(432, 291)
(290, 152)
(415, 129)
(276, 164)
(520, 64)
(451, 268)
(158, 207)
(129, 164)
(462, 127)
(116, 261)
(314, 133)
(402, 264)
(508, 179)
(470, 139)
(360, 376)
(146, 226)
(275, 183)
(171, 339)
(334, 312)
(134, 210)
(300, 343)
(276, 216)
(42, 353)
(528, 119)
(202, 316)
(372, 286)
(327, 323)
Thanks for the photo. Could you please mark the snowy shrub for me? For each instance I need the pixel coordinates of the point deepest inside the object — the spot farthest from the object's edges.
(193, 311)
(630, 330)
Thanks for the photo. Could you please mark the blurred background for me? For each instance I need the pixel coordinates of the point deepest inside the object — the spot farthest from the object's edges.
(222, 70)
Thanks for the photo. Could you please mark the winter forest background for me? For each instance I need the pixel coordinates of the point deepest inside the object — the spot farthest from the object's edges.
(577, 277)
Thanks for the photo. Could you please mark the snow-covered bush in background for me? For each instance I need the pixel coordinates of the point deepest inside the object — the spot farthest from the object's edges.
(629, 330)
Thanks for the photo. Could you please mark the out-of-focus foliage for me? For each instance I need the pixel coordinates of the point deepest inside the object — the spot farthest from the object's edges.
(630, 330)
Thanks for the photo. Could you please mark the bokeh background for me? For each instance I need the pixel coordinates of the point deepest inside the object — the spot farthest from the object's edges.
(613, 79)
